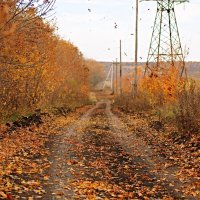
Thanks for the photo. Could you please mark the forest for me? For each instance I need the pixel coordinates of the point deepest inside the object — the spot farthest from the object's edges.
(38, 68)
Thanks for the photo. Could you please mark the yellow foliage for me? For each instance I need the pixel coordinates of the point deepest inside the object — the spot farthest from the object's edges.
(39, 69)
(162, 88)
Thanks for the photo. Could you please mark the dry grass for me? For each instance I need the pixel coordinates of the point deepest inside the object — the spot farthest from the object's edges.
(187, 111)
(128, 103)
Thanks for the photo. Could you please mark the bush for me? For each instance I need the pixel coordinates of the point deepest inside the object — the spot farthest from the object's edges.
(130, 104)
(187, 111)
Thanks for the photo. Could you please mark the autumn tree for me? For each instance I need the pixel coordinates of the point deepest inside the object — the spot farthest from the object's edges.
(38, 69)
(16, 13)
(71, 76)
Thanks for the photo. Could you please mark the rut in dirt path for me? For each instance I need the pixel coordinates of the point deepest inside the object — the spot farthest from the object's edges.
(135, 145)
(93, 160)
(59, 171)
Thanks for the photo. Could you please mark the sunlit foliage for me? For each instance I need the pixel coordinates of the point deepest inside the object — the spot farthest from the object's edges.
(37, 68)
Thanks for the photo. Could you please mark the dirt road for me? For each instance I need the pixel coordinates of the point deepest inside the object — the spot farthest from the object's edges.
(98, 158)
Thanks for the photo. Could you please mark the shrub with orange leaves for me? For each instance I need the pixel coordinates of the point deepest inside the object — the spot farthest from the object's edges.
(128, 80)
(127, 84)
(162, 88)
(157, 91)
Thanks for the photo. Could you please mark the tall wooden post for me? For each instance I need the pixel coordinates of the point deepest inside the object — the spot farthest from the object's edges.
(120, 70)
(116, 76)
(136, 50)
(112, 78)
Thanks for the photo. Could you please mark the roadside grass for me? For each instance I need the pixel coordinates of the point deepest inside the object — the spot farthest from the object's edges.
(183, 113)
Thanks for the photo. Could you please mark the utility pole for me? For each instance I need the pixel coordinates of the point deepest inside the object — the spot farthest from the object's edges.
(120, 70)
(116, 76)
(165, 49)
(136, 50)
(113, 77)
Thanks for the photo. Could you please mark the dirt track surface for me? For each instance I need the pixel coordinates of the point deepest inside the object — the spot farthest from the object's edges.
(90, 154)
(97, 158)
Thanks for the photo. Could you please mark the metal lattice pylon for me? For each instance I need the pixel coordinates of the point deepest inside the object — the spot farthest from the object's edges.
(165, 47)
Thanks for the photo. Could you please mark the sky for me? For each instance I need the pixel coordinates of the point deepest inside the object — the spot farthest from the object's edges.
(93, 31)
